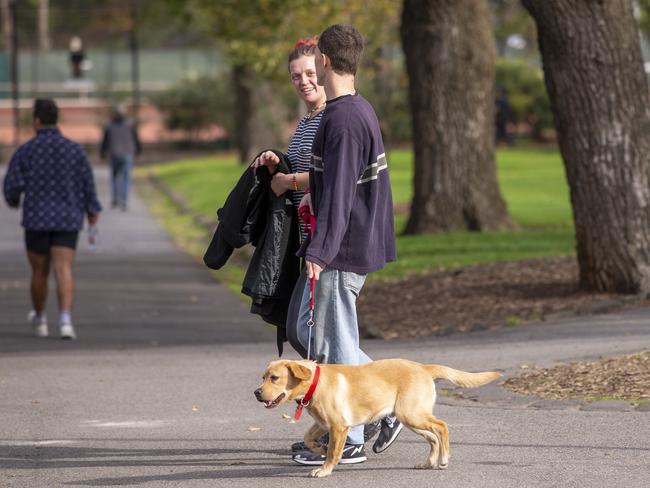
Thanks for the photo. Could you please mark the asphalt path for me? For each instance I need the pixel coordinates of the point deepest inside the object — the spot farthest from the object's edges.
(158, 389)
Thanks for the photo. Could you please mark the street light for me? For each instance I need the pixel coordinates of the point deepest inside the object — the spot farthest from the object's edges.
(135, 62)
(14, 70)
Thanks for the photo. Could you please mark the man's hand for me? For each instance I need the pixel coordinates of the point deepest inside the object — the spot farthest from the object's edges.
(268, 159)
(93, 218)
(313, 270)
(306, 200)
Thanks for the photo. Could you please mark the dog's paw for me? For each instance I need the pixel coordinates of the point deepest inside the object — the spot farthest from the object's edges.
(428, 465)
(320, 473)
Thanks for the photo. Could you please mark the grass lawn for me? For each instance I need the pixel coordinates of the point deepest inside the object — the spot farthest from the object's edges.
(532, 182)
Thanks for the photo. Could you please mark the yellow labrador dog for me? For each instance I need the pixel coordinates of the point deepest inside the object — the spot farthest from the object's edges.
(343, 396)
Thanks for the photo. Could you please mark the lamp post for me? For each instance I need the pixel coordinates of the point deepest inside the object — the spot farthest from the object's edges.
(135, 62)
(14, 71)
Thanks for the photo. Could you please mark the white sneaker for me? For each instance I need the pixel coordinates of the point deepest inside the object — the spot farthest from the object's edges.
(67, 331)
(38, 324)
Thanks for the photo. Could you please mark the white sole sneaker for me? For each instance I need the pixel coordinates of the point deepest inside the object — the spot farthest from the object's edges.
(39, 327)
(352, 454)
(67, 332)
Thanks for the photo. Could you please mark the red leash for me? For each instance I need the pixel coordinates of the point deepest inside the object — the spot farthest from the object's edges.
(312, 280)
(309, 220)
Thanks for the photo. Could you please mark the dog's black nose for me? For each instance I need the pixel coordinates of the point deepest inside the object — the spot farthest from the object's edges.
(258, 394)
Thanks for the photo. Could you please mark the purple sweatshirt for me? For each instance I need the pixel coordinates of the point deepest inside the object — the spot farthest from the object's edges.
(350, 190)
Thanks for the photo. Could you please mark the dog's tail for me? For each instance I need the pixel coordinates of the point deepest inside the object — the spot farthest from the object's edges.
(461, 378)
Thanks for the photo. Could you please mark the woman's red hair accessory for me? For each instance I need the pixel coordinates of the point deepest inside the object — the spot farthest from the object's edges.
(306, 42)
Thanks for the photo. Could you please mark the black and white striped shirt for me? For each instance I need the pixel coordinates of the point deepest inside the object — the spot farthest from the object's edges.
(299, 153)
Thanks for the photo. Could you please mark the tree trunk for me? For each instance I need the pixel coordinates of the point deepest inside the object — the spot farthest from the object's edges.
(6, 25)
(243, 112)
(44, 25)
(599, 96)
(450, 60)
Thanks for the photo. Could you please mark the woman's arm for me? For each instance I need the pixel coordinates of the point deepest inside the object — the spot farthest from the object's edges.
(293, 181)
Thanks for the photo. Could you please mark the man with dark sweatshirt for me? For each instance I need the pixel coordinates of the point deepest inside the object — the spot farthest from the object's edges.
(121, 145)
(354, 233)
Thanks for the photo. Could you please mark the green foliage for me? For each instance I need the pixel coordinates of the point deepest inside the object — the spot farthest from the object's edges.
(260, 33)
(193, 105)
(510, 17)
(526, 93)
(644, 21)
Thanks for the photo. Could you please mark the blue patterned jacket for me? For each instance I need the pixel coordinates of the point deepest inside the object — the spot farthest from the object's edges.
(56, 179)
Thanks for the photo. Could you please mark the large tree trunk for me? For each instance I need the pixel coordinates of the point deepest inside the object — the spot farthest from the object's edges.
(243, 112)
(450, 60)
(599, 96)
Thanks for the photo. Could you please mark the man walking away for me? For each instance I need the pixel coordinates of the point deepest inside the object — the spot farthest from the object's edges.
(120, 144)
(55, 179)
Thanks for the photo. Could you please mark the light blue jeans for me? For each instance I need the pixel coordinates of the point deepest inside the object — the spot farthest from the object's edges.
(120, 178)
(335, 334)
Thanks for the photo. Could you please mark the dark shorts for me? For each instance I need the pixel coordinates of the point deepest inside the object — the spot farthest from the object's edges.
(40, 241)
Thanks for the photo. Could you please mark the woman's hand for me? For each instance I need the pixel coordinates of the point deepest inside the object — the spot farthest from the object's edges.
(280, 183)
(268, 159)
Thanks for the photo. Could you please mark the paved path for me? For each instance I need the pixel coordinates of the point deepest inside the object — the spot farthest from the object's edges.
(157, 391)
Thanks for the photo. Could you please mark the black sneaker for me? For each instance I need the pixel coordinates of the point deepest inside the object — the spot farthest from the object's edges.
(369, 431)
(352, 454)
(301, 446)
(390, 429)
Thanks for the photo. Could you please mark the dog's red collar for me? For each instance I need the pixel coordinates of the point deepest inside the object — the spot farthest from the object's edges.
(304, 402)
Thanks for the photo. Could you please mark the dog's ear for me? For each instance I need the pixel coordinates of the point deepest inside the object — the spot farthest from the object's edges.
(299, 371)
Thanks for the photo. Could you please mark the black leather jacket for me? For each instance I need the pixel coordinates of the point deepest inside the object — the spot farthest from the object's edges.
(253, 214)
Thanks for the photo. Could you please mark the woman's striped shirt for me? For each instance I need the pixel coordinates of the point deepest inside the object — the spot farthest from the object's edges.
(299, 153)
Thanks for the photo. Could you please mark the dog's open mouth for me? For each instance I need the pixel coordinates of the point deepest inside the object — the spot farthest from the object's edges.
(274, 403)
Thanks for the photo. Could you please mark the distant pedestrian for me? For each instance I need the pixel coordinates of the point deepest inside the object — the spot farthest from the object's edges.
(54, 177)
(121, 145)
(77, 57)
(503, 117)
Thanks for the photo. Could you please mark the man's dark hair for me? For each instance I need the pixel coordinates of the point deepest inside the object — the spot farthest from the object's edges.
(46, 111)
(344, 45)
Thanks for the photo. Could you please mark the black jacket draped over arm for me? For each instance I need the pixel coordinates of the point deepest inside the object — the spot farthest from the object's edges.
(252, 214)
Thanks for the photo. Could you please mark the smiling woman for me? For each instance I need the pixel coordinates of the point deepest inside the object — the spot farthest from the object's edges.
(302, 72)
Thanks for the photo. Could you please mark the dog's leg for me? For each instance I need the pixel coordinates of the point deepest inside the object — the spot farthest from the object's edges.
(437, 433)
(312, 435)
(334, 451)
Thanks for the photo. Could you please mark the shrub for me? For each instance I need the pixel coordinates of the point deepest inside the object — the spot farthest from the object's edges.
(526, 94)
(193, 105)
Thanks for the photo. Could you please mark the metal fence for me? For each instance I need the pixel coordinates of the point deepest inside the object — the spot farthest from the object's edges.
(106, 72)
